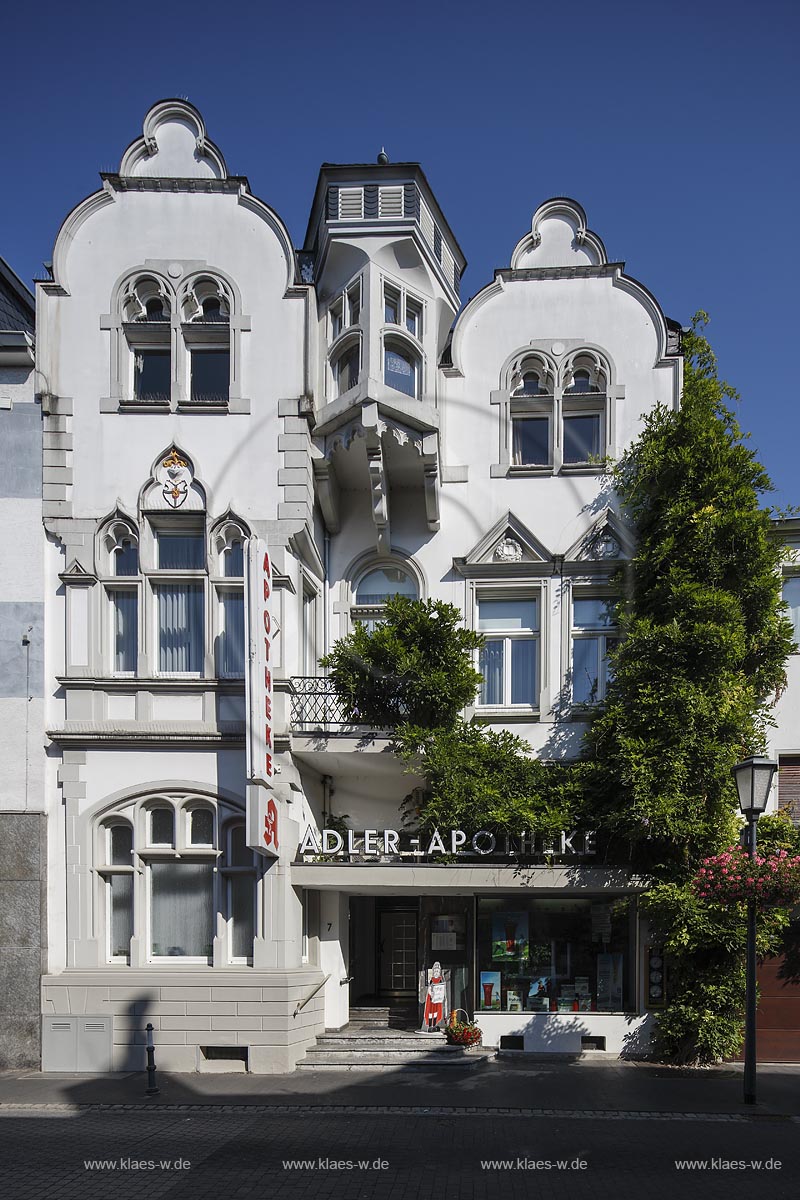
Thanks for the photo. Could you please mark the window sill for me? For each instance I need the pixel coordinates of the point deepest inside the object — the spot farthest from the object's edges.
(583, 469)
(489, 715)
(531, 469)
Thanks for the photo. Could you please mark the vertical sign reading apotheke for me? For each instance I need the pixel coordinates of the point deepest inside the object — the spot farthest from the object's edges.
(262, 808)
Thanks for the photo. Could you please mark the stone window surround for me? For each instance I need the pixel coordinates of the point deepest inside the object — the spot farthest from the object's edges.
(98, 604)
(514, 588)
(175, 278)
(86, 920)
(360, 567)
(557, 360)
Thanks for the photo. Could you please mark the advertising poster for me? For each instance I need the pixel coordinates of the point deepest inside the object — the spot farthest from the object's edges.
(490, 990)
(510, 935)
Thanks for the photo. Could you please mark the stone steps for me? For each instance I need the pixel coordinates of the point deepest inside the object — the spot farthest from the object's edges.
(372, 1043)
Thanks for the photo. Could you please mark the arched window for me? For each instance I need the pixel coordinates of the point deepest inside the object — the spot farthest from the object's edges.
(346, 367)
(531, 411)
(401, 368)
(377, 585)
(166, 867)
(584, 411)
(146, 312)
(206, 312)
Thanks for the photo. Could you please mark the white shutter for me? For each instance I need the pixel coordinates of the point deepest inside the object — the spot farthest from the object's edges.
(390, 201)
(351, 204)
(448, 265)
(789, 786)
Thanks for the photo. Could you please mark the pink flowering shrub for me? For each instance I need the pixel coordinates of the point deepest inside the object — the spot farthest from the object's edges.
(733, 877)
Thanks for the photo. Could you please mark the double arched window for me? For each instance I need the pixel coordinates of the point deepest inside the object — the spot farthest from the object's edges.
(176, 344)
(557, 412)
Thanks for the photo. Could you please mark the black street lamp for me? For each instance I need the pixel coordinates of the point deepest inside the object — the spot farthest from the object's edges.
(753, 782)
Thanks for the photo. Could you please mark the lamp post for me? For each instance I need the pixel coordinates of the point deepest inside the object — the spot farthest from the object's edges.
(753, 782)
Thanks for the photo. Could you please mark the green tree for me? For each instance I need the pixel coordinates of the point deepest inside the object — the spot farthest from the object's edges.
(414, 667)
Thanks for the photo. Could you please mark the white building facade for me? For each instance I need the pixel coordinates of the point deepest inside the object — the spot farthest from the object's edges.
(214, 398)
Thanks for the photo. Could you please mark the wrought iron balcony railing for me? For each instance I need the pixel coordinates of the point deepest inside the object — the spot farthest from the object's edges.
(315, 705)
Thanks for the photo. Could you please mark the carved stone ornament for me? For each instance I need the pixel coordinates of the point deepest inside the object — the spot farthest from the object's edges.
(605, 546)
(176, 478)
(507, 551)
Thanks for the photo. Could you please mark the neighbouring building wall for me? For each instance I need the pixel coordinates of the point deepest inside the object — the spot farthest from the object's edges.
(22, 827)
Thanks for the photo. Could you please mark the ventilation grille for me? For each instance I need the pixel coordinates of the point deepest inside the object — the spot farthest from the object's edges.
(351, 204)
(390, 201)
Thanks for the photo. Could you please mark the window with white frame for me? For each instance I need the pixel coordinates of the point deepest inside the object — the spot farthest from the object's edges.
(345, 311)
(377, 585)
(179, 589)
(166, 868)
(531, 407)
(791, 597)
(121, 562)
(509, 658)
(308, 629)
(401, 308)
(594, 635)
(346, 366)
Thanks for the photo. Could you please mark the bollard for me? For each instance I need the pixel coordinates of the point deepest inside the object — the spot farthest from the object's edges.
(152, 1088)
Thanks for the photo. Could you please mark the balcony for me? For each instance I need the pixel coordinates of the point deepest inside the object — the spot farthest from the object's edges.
(316, 708)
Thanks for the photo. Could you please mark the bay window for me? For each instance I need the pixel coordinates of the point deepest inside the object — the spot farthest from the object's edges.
(509, 659)
(401, 368)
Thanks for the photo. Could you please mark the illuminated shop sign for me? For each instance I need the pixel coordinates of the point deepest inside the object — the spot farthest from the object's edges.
(390, 843)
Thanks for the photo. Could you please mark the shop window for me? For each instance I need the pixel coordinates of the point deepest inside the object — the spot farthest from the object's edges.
(239, 876)
(377, 586)
(201, 826)
(181, 909)
(509, 659)
(162, 827)
(555, 955)
(791, 597)
(593, 638)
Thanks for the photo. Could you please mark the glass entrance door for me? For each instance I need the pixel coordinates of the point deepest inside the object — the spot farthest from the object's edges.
(397, 952)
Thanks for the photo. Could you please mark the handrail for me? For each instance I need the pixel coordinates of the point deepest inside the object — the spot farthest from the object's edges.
(310, 996)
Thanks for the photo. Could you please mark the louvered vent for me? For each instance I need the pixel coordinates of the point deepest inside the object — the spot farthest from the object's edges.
(351, 204)
(448, 265)
(789, 786)
(390, 201)
(426, 223)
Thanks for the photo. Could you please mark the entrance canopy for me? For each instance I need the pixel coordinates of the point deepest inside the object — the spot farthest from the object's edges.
(431, 879)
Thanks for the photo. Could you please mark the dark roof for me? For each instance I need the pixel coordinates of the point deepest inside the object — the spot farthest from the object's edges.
(17, 305)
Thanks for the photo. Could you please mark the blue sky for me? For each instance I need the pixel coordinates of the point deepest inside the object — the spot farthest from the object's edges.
(675, 125)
